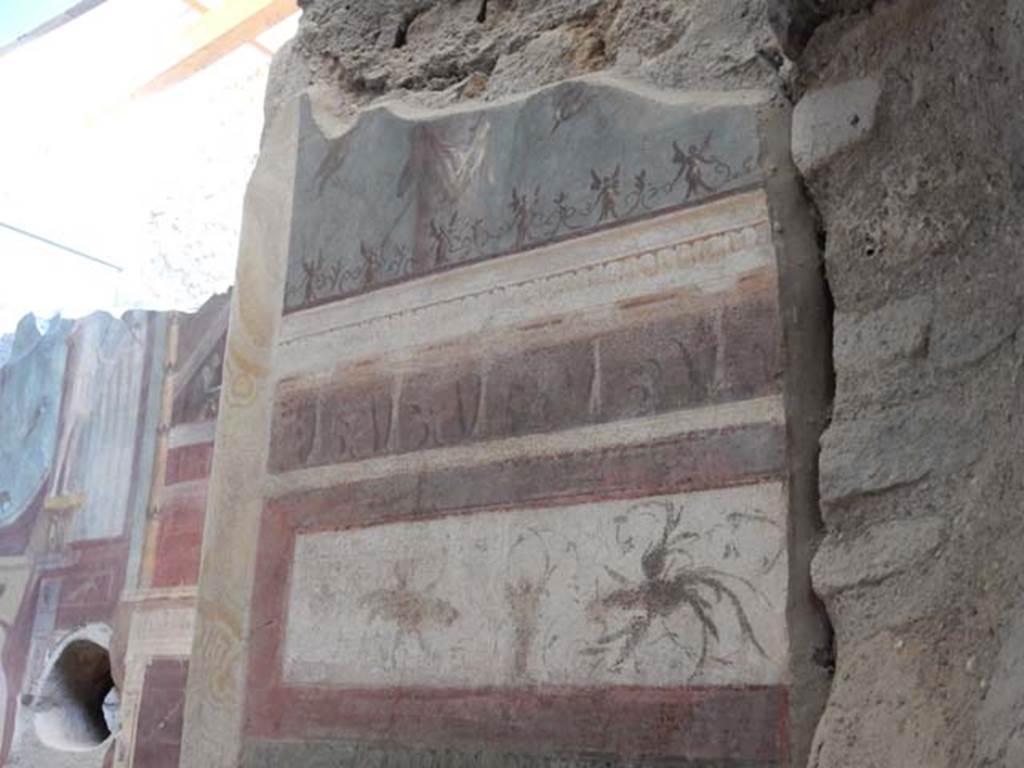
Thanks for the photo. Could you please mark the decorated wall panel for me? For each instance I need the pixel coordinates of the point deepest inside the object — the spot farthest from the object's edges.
(532, 453)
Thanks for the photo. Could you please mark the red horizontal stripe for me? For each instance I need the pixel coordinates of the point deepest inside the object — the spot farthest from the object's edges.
(746, 722)
(696, 461)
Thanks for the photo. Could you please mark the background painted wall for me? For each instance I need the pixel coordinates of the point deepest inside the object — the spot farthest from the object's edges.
(113, 415)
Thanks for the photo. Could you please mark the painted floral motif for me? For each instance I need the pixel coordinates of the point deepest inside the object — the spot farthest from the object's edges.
(671, 589)
(411, 611)
(533, 217)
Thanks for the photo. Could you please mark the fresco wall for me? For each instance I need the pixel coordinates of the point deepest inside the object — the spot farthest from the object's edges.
(157, 619)
(101, 420)
(515, 458)
(507, 459)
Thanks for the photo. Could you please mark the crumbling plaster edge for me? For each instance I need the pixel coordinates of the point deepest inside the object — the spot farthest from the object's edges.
(405, 107)
(809, 380)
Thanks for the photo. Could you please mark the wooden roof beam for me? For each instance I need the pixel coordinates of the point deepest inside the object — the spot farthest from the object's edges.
(219, 32)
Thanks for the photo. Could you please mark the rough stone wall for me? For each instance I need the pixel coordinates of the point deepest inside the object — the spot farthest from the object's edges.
(921, 472)
(438, 53)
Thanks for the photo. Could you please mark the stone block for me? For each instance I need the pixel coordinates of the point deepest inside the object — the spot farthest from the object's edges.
(895, 332)
(832, 118)
(897, 446)
(874, 554)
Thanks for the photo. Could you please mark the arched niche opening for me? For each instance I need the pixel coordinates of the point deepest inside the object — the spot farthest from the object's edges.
(76, 703)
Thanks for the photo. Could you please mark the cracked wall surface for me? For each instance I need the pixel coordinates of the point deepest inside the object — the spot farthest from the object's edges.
(452, 52)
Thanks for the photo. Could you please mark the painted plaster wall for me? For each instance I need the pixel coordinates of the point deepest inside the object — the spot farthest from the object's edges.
(915, 592)
(157, 619)
(518, 436)
(94, 383)
(107, 430)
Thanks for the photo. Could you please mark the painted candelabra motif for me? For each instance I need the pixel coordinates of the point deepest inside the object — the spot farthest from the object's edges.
(528, 573)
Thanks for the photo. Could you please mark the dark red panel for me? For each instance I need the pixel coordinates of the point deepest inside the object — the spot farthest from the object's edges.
(660, 367)
(694, 722)
(710, 459)
(752, 354)
(92, 586)
(439, 406)
(293, 431)
(180, 537)
(160, 715)
(541, 390)
(189, 462)
(354, 423)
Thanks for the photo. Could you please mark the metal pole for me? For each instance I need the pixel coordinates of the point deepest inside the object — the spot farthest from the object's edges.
(62, 247)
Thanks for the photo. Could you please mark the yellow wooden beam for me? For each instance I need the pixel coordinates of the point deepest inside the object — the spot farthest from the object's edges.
(197, 6)
(221, 30)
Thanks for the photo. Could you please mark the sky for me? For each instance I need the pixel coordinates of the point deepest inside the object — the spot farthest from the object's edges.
(153, 185)
(20, 16)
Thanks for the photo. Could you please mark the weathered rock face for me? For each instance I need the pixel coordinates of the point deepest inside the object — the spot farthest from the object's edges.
(922, 477)
(436, 53)
(794, 21)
